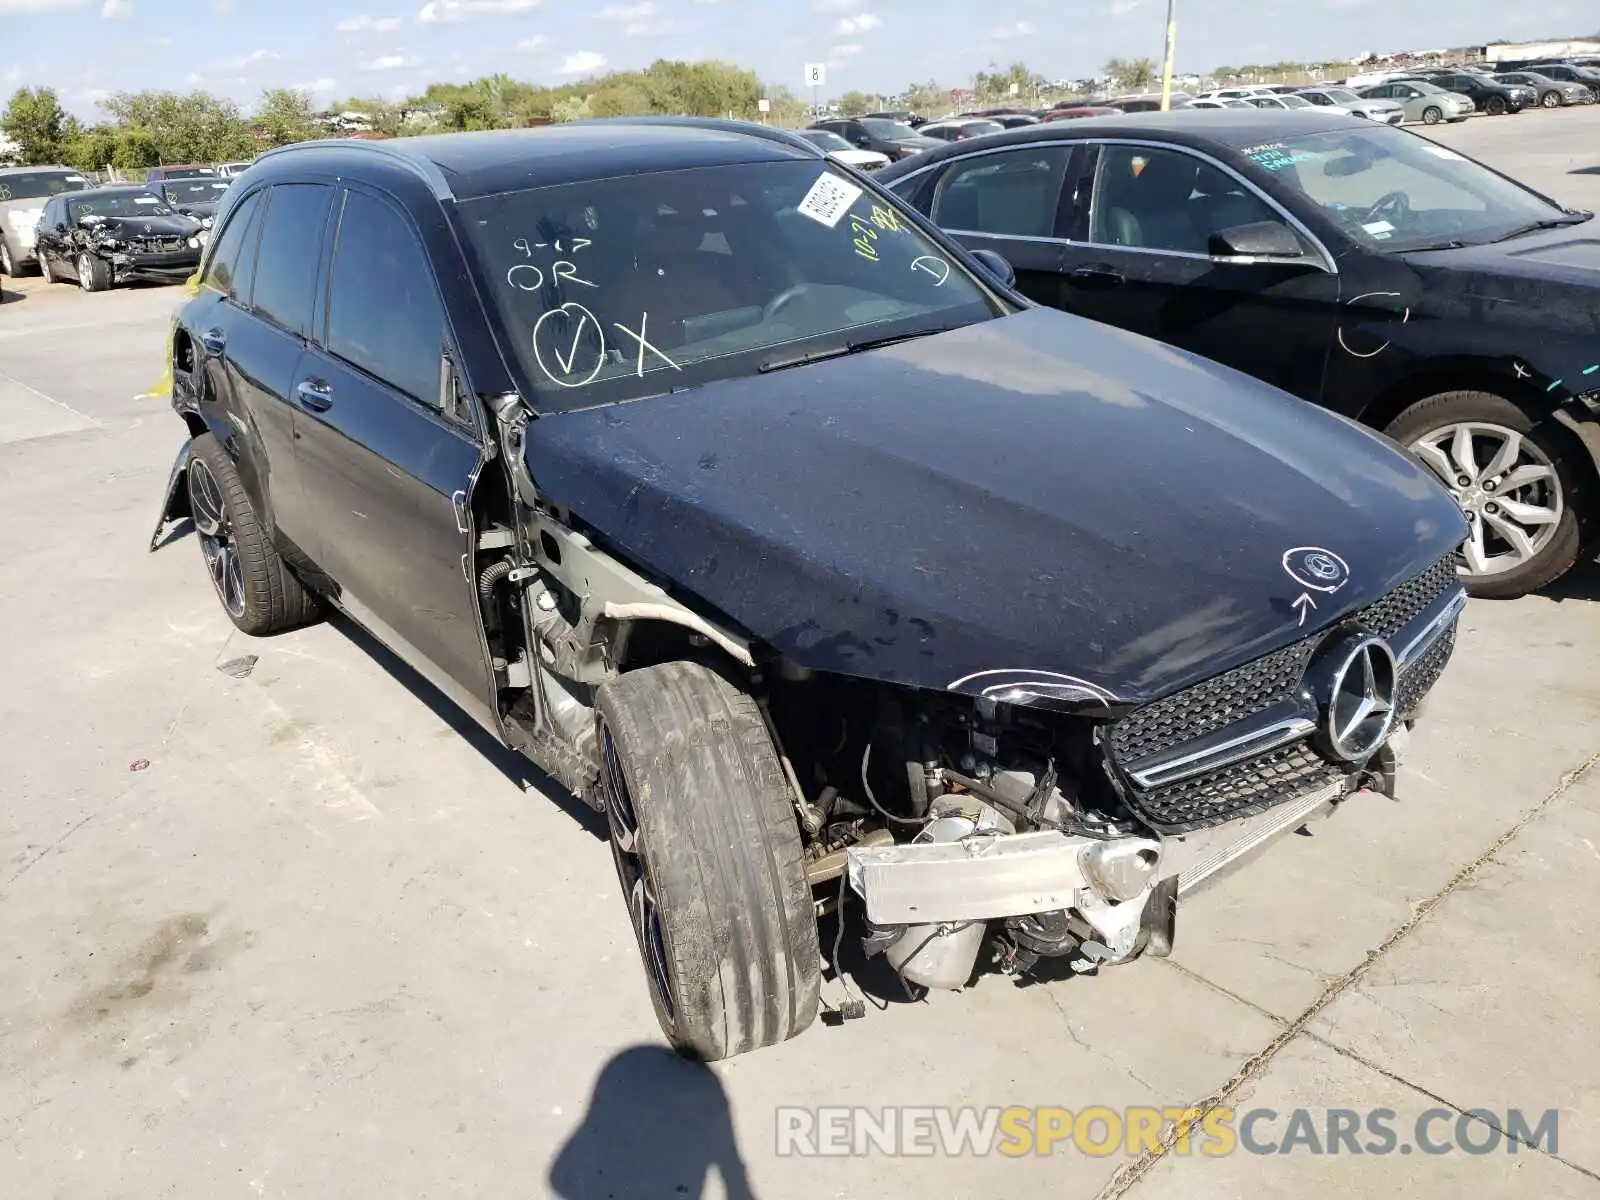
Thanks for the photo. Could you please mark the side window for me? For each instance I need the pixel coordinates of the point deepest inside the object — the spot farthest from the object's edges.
(223, 271)
(1015, 193)
(384, 314)
(1167, 200)
(286, 256)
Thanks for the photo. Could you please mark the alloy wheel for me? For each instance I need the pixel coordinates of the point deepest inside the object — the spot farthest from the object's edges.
(7, 267)
(217, 544)
(84, 271)
(638, 889)
(1507, 488)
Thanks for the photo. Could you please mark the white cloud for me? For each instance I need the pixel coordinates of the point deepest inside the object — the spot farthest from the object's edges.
(116, 10)
(366, 24)
(851, 26)
(1018, 30)
(222, 6)
(317, 85)
(387, 62)
(534, 43)
(439, 11)
(836, 5)
(643, 19)
(838, 55)
(1121, 8)
(582, 63)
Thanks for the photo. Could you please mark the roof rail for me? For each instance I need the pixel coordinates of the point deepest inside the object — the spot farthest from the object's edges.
(721, 125)
(418, 164)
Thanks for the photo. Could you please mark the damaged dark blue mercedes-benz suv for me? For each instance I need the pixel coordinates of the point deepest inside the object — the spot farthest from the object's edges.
(781, 530)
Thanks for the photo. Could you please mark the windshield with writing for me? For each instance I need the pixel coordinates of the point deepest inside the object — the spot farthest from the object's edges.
(121, 204)
(1394, 191)
(200, 191)
(37, 185)
(620, 288)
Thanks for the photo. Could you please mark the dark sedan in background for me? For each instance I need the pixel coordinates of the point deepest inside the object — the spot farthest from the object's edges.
(894, 138)
(1488, 94)
(1549, 93)
(1358, 266)
(106, 236)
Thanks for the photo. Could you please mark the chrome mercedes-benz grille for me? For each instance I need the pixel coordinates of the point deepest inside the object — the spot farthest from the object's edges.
(1240, 789)
(1247, 690)
(1236, 791)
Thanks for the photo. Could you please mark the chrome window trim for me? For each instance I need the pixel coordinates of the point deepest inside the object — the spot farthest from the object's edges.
(1289, 218)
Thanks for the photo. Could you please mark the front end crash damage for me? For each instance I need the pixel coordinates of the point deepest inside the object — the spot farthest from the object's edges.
(1049, 834)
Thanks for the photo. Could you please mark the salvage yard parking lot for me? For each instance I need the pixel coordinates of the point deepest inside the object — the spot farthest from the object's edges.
(291, 928)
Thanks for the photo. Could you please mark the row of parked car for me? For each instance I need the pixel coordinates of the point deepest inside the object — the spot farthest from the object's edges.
(58, 221)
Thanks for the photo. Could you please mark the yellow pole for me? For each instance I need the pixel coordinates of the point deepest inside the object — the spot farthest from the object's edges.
(1166, 66)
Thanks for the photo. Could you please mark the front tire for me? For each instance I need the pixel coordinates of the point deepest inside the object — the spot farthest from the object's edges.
(258, 591)
(707, 850)
(1495, 106)
(94, 273)
(8, 258)
(1432, 115)
(44, 267)
(1525, 487)
(1550, 100)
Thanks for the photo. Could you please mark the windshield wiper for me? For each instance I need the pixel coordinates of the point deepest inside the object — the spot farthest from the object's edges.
(1548, 223)
(1452, 244)
(810, 356)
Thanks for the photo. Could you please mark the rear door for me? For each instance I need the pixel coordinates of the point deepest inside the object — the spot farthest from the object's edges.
(1011, 201)
(1140, 259)
(386, 468)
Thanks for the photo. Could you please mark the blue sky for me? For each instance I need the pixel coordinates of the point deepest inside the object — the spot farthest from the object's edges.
(338, 48)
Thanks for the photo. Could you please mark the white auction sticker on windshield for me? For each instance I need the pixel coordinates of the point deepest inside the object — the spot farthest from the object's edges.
(1441, 152)
(1379, 229)
(145, 200)
(829, 199)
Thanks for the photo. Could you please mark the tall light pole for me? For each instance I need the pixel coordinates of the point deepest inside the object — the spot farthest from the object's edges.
(1166, 65)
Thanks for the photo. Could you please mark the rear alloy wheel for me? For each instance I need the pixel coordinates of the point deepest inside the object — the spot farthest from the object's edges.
(1432, 115)
(94, 273)
(256, 587)
(708, 853)
(1495, 106)
(1551, 100)
(1518, 481)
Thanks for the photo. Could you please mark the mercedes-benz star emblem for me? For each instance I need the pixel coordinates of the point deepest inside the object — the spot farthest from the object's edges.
(1361, 699)
(1316, 568)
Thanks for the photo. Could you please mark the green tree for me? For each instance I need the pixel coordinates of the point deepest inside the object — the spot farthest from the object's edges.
(35, 120)
(853, 104)
(286, 115)
(197, 127)
(1137, 73)
(92, 149)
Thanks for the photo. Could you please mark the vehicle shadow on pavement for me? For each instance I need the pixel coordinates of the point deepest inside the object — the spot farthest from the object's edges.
(12, 296)
(655, 1126)
(516, 768)
(1580, 583)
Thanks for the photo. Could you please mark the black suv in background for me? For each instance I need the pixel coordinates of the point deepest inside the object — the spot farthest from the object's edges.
(1488, 93)
(897, 139)
(776, 526)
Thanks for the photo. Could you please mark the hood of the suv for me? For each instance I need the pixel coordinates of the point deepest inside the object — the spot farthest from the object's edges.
(177, 225)
(1037, 494)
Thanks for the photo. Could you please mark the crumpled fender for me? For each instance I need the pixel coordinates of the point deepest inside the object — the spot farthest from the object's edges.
(175, 500)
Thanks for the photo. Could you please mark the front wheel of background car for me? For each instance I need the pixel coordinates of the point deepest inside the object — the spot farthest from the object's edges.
(258, 591)
(707, 849)
(44, 267)
(1495, 106)
(1431, 115)
(8, 262)
(1522, 482)
(94, 274)
(1550, 100)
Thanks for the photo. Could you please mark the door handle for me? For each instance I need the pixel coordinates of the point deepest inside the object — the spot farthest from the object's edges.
(1101, 274)
(314, 395)
(214, 340)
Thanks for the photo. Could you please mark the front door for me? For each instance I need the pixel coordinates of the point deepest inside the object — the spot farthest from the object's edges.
(1140, 259)
(1010, 201)
(387, 472)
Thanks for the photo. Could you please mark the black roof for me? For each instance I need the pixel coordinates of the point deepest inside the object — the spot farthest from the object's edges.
(112, 189)
(469, 165)
(1228, 128)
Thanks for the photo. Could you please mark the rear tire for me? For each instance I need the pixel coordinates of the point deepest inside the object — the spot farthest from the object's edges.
(708, 851)
(1432, 115)
(257, 590)
(1561, 484)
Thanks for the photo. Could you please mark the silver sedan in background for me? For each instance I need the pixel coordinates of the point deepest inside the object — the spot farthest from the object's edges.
(1389, 112)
